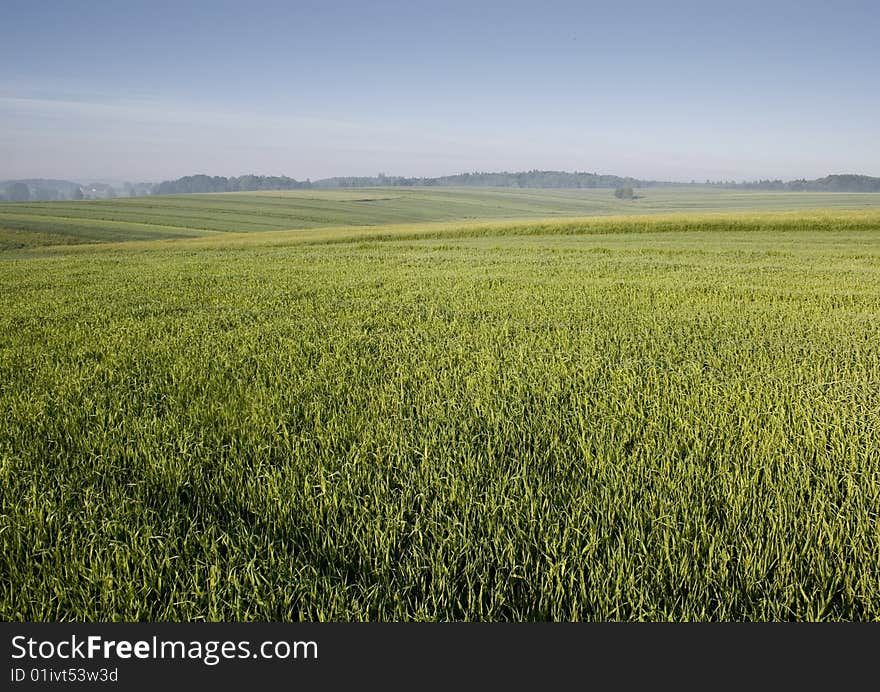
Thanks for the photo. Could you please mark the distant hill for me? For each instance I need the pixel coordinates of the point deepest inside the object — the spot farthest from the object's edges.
(46, 190)
(49, 190)
(525, 179)
(830, 183)
(533, 179)
(844, 183)
(219, 183)
(39, 189)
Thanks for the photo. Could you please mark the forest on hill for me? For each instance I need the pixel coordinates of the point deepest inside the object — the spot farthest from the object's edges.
(51, 190)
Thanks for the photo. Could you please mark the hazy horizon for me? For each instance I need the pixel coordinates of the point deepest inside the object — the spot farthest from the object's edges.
(102, 92)
(117, 182)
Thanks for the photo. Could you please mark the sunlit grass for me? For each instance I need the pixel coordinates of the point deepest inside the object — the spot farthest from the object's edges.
(181, 216)
(668, 418)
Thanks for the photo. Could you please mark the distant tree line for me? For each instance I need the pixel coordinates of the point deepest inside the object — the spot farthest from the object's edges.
(219, 183)
(49, 190)
(36, 190)
(830, 183)
(527, 179)
(45, 190)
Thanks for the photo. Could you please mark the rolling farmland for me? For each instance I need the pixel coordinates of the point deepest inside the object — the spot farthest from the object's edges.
(184, 216)
(434, 404)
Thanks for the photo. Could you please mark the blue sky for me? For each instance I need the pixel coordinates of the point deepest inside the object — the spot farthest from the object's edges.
(672, 90)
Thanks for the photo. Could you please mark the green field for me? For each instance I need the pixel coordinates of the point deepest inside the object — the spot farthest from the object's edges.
(659, 417)
(182, 216)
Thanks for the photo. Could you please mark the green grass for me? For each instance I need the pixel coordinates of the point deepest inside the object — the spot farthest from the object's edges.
(144, 218)
(672, 417)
